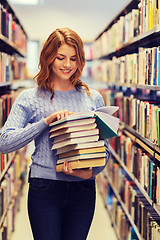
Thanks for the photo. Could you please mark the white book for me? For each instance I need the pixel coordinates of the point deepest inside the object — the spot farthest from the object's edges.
(82, 156)
(80, 146)
(75, 141)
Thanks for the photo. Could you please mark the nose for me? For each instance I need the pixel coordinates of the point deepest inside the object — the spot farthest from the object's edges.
(67, 63)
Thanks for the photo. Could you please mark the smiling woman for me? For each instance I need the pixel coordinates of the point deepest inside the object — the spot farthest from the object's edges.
(60, 204)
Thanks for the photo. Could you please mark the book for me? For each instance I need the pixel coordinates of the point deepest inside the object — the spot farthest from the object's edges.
(75, 141)
(76, 134)
(74, 123)
(82, 157)
(106, 122)
(76, 146)
(70, 129)
(83, 163)
(82, 151)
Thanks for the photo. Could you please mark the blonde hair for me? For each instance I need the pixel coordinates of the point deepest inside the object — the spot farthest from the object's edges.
(48, 55)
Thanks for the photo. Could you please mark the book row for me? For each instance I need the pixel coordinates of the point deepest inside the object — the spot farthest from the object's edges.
(119, 218)
(12, 30)
(7, 159)
(10, 186)
(143, 116)
(142, 68)
(8, 221)
(128, 189)
(144, 216)
(137, 22)
(143, 168)
(11, 68)
(6, 102)
(8, 224)
(4, 159)
(120, 222)
(7, 188)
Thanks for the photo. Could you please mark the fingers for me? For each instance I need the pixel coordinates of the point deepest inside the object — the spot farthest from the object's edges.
(57, 116)
(69, 113)
(61, 114)
(67, 169)
(82, 173)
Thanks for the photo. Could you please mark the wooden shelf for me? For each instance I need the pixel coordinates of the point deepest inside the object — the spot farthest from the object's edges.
(5, 84)
(145, 143)
(133, 86)
(142, 40)
(9, 47)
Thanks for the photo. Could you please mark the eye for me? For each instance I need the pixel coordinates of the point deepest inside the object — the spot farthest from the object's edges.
(60, 58)
(73, 59)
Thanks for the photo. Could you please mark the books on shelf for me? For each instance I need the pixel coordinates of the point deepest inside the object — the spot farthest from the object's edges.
(125, 28)
(11, 29)
(13, 45)
(140, 68)
(131, 59)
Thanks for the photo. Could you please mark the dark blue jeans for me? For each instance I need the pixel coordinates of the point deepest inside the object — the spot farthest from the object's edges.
(60, 210)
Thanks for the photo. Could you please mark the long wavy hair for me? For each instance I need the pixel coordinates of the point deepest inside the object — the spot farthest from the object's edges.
(48, 55)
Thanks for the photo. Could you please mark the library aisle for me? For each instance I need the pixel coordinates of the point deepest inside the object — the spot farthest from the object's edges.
(101, 228)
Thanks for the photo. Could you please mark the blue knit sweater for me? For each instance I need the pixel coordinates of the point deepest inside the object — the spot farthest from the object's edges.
(26, 123)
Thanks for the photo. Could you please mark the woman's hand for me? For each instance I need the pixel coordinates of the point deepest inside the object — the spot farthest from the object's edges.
(82, 173)
(57, 116)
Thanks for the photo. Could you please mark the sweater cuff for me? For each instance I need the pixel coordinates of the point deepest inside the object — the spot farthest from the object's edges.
(42, 125)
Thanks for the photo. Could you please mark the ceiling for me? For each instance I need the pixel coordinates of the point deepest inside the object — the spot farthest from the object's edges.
(87, 18)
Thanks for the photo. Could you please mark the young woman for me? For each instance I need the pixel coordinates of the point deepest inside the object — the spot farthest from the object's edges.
(60, 205)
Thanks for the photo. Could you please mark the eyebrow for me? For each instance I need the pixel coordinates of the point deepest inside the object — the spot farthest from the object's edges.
(64, 55)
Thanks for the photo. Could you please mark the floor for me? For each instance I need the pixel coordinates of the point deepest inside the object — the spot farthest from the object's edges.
(101, 228)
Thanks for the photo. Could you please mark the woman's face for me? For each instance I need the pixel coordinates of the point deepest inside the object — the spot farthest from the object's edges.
(65, 64)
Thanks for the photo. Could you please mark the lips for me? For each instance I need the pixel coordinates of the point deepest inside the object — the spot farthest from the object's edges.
(66, 70)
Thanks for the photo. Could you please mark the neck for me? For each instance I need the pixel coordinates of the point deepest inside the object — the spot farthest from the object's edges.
(64, 86)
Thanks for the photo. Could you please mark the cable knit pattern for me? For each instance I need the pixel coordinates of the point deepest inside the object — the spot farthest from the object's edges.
(26, 123)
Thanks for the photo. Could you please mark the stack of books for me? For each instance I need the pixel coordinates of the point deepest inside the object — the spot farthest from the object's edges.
(79, 138)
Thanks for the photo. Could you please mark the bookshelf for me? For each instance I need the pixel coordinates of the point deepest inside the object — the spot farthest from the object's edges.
(13, 49)
(126, 56)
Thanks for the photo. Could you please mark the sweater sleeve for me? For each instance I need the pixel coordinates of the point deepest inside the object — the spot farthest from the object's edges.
(17, 131)
(96, 170)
